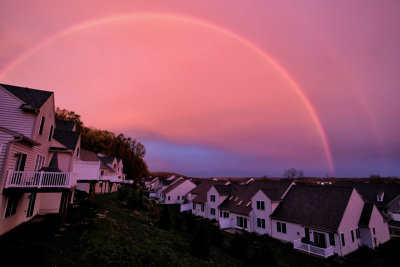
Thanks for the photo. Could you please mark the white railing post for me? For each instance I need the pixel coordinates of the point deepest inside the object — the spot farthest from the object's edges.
(40, 179)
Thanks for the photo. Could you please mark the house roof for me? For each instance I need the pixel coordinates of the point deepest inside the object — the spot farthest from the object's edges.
(201, 190)
(65, 125)
(366, 215)
(370, 191)
(107, 160)
(67, 138)
(174, 185)
(240, 202)
(87, 155)
(32, 97)
(320, 207)
(20, 136)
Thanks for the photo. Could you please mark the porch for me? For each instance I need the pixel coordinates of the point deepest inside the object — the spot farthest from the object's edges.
(319, 251)
(25, 179)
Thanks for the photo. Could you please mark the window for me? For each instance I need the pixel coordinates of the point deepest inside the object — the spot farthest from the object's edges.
(281, 227)
(332, 239)
(20, 164)
(194, 206)
(212, 198)
(39, 162)
(358, 233)
(260, 205)
(225, 214)
(212, 211)
(284, 228)
(41, 126)
(115, 165)
(241, 222)
(352, 235)
(102, 172)
(373, 230)
(77, 152)
(260, 223)
(183, 197)
(178, 197)
(202, 207)
(343, 242)
(12, 204)
(169, 197)
(51, 132)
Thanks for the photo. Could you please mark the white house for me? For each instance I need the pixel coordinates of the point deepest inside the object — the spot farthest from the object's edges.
(26, 131)
(176, 192)
(323, 220)
(87, 168)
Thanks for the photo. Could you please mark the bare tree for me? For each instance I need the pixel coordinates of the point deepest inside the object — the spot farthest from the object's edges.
(293, 173)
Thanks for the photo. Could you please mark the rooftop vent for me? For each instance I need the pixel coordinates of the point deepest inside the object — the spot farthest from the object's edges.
(380, 196)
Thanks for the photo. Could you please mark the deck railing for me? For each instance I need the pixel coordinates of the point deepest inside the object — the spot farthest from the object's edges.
(323, 252)
(24, 179)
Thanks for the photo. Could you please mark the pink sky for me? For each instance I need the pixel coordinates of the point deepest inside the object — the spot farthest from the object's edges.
(227, 88)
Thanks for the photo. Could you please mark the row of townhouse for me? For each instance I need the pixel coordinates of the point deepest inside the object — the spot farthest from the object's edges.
(41, 161)
(320, 220)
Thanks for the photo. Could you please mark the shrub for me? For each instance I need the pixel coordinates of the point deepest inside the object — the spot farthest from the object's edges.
(165, 219)
(200, 245)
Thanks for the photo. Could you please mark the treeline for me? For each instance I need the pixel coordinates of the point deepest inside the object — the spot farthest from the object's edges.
(128, 149)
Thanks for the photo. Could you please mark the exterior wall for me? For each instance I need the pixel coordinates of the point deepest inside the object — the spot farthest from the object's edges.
(12, 117)
(233, 221)
(198, 211)
(83, 187)
(349, 222)
(218, 200)
(262, 214)
(5, 138)
(366, 239)
(393, 208)
(7, 224)
(49, 203)
(293, 231)
(180, 190)
(382, 234)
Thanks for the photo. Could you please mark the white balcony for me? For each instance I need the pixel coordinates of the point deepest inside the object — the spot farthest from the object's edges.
(87, 170)
(323, 252)
(24, 179)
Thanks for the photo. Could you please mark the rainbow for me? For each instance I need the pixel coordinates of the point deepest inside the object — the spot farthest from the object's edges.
(197, 22)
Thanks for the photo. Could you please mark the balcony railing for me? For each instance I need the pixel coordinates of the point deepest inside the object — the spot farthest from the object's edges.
(23, 179)
(323, 252)
(86, 170)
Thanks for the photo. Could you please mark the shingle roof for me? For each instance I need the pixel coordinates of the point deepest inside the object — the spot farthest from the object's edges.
(64, 125)
(201, 190)
(107, 160)
(369, 191)
(87, 155)
(33, 97)
(173, 186)
(365, 215)
(314, 206)
(67, 138)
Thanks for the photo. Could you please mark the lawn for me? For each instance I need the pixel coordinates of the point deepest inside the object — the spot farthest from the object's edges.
(107, 233)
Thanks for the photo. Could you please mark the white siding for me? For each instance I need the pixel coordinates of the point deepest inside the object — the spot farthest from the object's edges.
(12, 117)
(218, 200)
(181, 190)
(381, 228)
(349, 222)
(49, 203)
(293, 231)
(262, 214)
(4, 140)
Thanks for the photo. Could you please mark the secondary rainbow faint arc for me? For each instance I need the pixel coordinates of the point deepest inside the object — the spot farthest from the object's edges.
(198, 22)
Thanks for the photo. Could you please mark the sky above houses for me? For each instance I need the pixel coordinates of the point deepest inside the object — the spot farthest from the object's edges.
(221, 88)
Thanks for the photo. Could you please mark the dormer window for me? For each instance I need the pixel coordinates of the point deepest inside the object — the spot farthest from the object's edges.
(380, 196)
(41, 126)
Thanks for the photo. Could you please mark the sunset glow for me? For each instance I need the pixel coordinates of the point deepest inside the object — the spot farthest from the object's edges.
(218, 94)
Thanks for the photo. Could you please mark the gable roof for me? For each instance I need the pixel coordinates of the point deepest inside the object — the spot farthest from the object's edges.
(369, 191)
(366, 215)
(32, 97)
(174, 185)
(107, 160)
(86, 155)
(64, 125)
(202, 189)
(67, 138)
(319, 207)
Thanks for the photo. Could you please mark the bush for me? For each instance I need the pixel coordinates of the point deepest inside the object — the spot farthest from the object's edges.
(165, 219)
(262, 256)
(200, 245)
(240, 246)
(178, 222)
